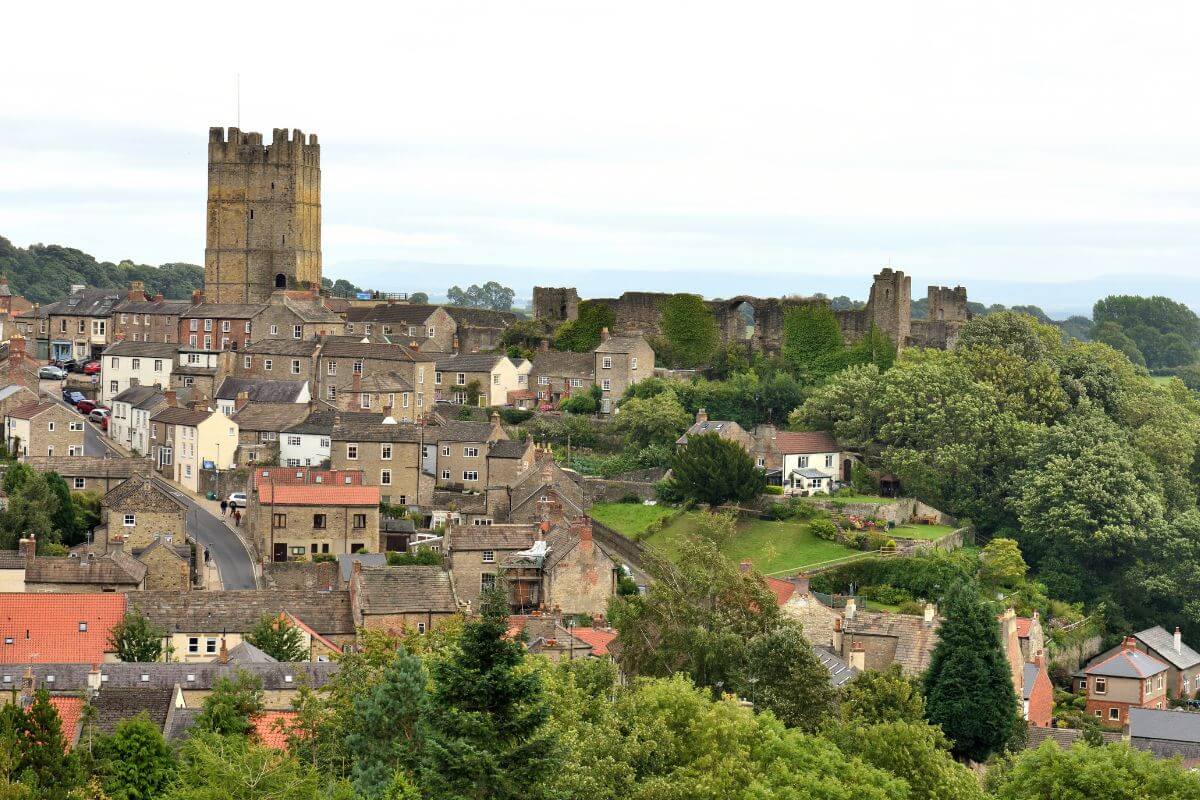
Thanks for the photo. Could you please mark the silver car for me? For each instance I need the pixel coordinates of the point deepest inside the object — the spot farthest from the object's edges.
(52, 372)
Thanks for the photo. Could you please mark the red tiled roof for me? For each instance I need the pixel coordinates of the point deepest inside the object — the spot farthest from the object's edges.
(598, 638)
(318, 495)
(783, 589)
(305, 475)
(272, 727)
(312, 633)
(70, 712)
(805, 442)
(1023, 624)
(44, 628)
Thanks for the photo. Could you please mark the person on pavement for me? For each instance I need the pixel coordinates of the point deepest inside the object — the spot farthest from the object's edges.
(237, 518)
(224, 507)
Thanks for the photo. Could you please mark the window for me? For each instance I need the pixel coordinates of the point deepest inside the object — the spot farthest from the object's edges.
(80, 483)
(352, 452)
(489, 556)
(125, 318)
(633, 363)
(224, 326)
(158, 365)
(83, 627)
(274, 330)
(279, 520)
(360, 521)
(445, 474)
(606, 385)
(247, 326)
(487, 582)
(293, 441)
(437, 378)
(210, 646)
(130, 520)
(802, 462)
(420, 376)
(385, 452)
(208, 343)
(50, 427)
(1101, 685)
(445, 449)
(193, 644)
(318, 522)
(247, 361)
(331, 368)
(404, 400)
(112, 387)
(324, 442)
(358, 365)
(364, 400)
(192, 340)
(460, 379)
(385, 477)
(430, 332)
(829, 461)
(470, 475)
(208, 325)
(297, 331)
(74, 451)
(421, 627)
(606, 362)
(331, 392)
(576, 383)
(267, 364)
(496, 379)
(295, 366)
(544, 380)
(1114, 713)
(470, 452)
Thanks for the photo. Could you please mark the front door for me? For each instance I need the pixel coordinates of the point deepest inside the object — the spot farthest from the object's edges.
(280, 551)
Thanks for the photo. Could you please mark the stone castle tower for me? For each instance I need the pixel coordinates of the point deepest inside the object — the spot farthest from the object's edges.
(890, 304)
(264, 215)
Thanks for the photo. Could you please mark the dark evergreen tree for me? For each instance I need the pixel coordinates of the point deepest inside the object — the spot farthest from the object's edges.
(968, 686)
(713, 470)
(135, 762)
(136, 638)
(389, 726)
(43, 759)
(488, 735)
(64, 518)
(783, 676)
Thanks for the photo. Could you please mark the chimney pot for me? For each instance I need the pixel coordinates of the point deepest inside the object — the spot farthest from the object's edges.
(931, 611)
(851, 608)
(197, 297)
(1178, 640)
(604, 334)
(702, 416)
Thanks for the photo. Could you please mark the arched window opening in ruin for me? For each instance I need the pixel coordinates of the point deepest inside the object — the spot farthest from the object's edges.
(941, 313)
(748, 315)
(281, 281)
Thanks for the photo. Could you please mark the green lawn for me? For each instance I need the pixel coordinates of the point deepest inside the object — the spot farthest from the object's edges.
(929, 532)
(770, 546)
(630, 519)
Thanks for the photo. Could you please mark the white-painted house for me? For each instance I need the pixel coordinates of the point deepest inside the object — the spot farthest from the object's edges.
(125, 363)
(812, 461)
(307, 444)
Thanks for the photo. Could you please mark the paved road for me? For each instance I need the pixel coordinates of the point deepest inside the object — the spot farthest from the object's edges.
(94, 443)
(226, 549)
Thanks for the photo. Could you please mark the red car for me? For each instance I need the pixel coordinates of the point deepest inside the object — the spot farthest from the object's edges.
(85, 406)
(91, 368)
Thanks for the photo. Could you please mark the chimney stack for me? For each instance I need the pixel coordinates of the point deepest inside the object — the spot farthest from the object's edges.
(197, 297)
(851, 608)
(223, 656)
(94, 678)
(837, 635)
(240, 401)
(454, 345)
(28, 549)
(137, 290)
(1178, 639)
(701, 416)
(544, 345)
(495, 419)
(171, 397)
(858, 656)
(158, 298)
(604, 334)
(930, 612)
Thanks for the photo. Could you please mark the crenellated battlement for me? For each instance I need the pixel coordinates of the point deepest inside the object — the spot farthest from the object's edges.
(237, 146)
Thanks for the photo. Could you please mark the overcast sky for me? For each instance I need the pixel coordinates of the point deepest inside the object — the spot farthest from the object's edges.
(784, 147)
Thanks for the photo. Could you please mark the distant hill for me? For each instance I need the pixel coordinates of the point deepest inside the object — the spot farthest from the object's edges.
(43, 273)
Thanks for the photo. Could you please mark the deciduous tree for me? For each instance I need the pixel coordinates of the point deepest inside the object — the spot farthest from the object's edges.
(136, 638)
(277, 636)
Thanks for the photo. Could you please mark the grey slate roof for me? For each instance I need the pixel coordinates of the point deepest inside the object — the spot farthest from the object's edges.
(508, 448)
(309, 311)
(283, 347)
(810, 473)
(1163, 645)
(246, 653)
(114, 568)
(355, 427)
(261, 391)
(270, 416)
(239, 610)
(319, 422)
(83, 466)
(202, 675)
(88, 303)
(468, 362)
(135, 395)
(555, 363)
(114, 704)
(1065, 737)
(490, 537)
(458, 431)
(621, 344)
(338, 347)
(168, 307)
(1127, 664)
(346, 562)
(1030, 677)
(126, 347)
(1151, 723)
(406, 313)
(177, 415)
(840, 672)
(409, 589)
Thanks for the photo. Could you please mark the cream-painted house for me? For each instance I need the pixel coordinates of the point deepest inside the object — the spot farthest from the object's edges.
(812, 461)
(496, 375)
(126, 364)
(198, 438)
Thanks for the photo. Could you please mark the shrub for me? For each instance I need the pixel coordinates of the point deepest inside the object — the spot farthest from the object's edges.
(514, 416)
(772, 489)
(914, 608)
(877, 541)
(630, 498)
(890, 595)
(823, 528)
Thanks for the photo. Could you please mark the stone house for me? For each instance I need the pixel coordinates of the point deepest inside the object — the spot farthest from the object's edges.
(431, 327)
(474, 554)
(478, 329)
(275, 359)
(168, 566)
(621, 361)
(1126, 679)
(84, 574)
(812, 461)
(233, 391)
(127, 363)
(344, 365)
(885, 638)
(295, 521)
(288, 317)
(14, 396)
(20, 367)
(201, 371)
(199, 621)
(388, 453)
(90, 473)
(219, 326)
(455, 452)
(492, 375)
(404, 598)
(260, 429)
(577, 574)
(555, 375)
(78, 327)
(509, 460)
(141, 318)
(184, 439)
(1183, 663)
(542, 492)
(726, 429)
(140, 512)
(44, 427)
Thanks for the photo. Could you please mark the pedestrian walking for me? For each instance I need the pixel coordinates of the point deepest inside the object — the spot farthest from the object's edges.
(224, 507)
(237, 518)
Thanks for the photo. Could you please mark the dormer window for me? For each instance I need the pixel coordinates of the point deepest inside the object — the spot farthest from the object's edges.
(83, 627)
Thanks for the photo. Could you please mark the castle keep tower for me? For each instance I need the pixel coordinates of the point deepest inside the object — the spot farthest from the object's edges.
(264, 215)
(889, 305)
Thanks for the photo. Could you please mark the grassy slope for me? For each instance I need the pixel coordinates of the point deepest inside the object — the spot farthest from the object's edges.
(629, 519)
(920, 531)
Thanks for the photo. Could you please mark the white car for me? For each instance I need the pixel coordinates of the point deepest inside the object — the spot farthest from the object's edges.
(237, 500)
(52, 372)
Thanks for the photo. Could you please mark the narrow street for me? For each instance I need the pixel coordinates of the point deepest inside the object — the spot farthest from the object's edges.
(224, 547)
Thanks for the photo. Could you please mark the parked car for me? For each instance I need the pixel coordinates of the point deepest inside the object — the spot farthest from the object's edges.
(98, 414)
(85, 406)
(104, 424)
(69, 364)
(237, 500)
(52, 372)
(91, 368)
(74, 398)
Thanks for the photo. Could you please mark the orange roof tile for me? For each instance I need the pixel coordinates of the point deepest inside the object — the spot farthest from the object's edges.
(46, 628)
(783, 590)
(598, 638)
(301, 475)
(314, 495)
(70, 712)
(1023, 624)
(272, 728)
(792, 442)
